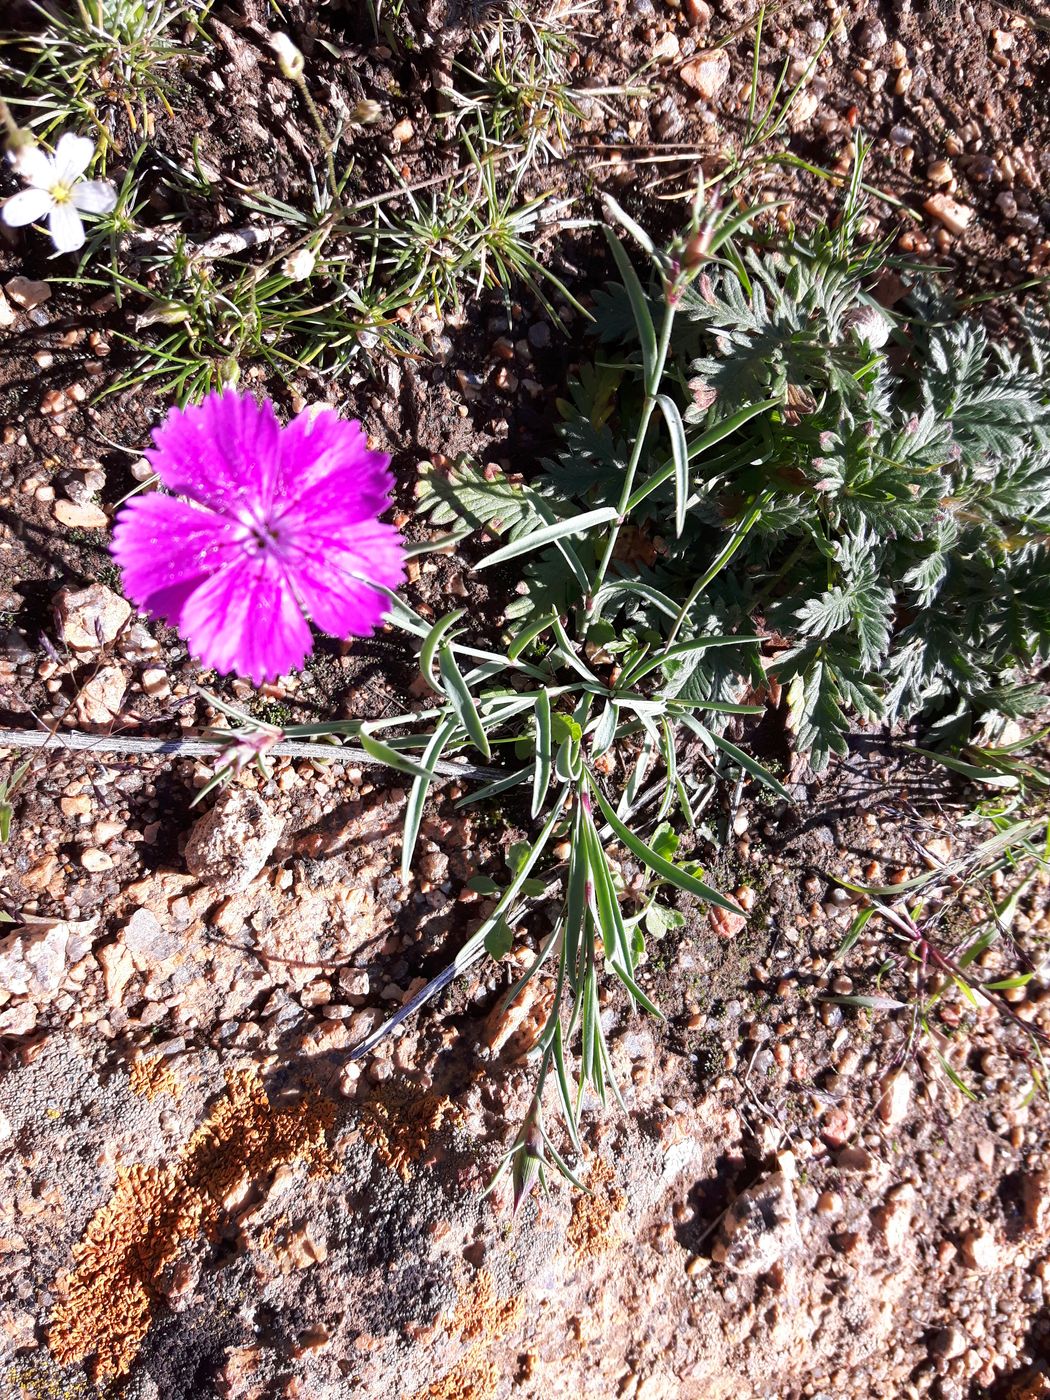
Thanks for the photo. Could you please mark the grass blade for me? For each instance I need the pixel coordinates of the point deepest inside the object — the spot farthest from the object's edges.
(541, 773)
(462, 701)
(680, 457)
(656, 863)
(639, 308)
(417, 797)
(547, 534)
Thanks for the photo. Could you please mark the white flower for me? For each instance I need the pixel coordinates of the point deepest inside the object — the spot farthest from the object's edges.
(299, 265)
(289, 59)
(57, 191)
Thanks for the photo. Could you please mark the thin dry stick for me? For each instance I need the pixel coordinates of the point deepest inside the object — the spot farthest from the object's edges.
(76, 742)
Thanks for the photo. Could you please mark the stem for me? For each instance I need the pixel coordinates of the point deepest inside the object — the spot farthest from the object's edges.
(76, 742)
(326, 140)
(639, 443)
(739, 535)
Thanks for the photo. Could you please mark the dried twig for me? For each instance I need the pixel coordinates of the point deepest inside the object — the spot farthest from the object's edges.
(74, 741)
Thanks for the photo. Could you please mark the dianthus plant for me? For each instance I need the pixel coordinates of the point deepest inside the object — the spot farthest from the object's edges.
(609, 729)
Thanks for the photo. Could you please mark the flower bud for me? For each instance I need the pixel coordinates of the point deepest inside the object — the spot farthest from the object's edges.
(698, 247)
(366, 113)
(299, 265)
(868, 325)
(289, 59)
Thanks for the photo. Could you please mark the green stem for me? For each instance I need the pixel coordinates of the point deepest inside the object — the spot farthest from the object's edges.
(326, 140)
(648, 407)
(739, 535)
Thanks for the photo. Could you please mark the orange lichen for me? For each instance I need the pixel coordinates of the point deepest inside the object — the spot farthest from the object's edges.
(591, 1230)
(110, 1296)
(151, 1075)
(481, 1319)
(400, 1121)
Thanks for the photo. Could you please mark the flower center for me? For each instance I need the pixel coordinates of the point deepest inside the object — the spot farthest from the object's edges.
(61, 194)
(263, 536)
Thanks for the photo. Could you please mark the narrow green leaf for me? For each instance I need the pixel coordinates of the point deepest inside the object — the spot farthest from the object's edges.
(528, 634)
(643, 321)
(625, 221)
(541, 772)
(462, 701)
(680, 456)
(428, 651)
(683, 649)
(605, 730)
(417, 797)
(383, 753)
(494, 789)
(672, 873)
(713, 436)
(547, 534)
(750, 765)
(975, 772)
(856, 929)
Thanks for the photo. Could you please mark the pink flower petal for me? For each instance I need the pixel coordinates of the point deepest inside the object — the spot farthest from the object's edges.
(224, 453)
(245, 619)
(322, 568)
(327, 467)
(167, 549)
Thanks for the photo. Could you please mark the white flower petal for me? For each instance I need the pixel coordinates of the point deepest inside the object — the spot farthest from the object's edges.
(94, 196)
(72, 157)
(35, 166)
(67, 232)
(26, 207)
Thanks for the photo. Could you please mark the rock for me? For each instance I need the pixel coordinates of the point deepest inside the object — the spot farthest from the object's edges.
(26, 293)
(34, 958)
(949, 1342)
(80, 517)
(1035, 1194)
(88, 618)
(404, 131)
(539, 335)
(666, 47)
(939, 172)
(725, 924)
(117, 970)
(95, 861)
(760, 1227)
(155, 683)
(839, 1126)
(706, 73)
(954, 216)
(855, 1159)
(148, 942)
(14, 646)
(231, 844)
(871, 36)
(895, 1098)
(19, 1019)
(893, 1219)
(698, 13)
(7, 315)
(979, 1249)
(101, 697)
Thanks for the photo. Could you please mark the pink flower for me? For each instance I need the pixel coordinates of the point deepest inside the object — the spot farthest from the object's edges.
(277, 526)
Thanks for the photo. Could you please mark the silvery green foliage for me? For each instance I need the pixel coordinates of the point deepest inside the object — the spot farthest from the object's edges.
(902, 485)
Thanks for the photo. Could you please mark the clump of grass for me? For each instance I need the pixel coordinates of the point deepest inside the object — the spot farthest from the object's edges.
(103, 64)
